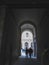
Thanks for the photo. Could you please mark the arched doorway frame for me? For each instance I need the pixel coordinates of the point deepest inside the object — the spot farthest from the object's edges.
(19, 30)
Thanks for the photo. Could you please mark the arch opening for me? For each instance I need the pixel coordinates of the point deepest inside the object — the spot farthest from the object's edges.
(28, 40)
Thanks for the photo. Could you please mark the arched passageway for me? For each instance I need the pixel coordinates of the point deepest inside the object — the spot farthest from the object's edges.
(28, 39)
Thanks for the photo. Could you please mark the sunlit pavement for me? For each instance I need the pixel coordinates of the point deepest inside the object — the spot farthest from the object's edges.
(27, 57)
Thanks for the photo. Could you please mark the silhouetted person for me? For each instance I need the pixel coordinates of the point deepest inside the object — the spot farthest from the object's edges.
(26, 52)
(30, 51)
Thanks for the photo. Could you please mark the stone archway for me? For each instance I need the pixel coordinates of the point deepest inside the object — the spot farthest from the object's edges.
(30, 28)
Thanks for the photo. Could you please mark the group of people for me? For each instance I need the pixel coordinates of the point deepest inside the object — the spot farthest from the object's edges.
(29, 51)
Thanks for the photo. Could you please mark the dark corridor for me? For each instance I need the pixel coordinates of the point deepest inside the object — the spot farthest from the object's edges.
(13, 15)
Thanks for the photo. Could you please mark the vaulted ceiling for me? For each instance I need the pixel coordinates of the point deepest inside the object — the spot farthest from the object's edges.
(35, 15)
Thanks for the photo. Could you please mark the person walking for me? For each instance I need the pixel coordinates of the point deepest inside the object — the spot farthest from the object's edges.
(30, 51)
(26, 52)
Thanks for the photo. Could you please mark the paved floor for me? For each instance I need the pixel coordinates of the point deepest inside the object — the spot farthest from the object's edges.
(26, 61)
